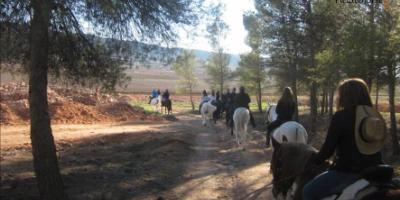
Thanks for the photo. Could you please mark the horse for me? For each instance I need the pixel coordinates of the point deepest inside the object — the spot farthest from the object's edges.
(156, 102)
(241, 118)
(270, 115)
(167, 104)
(217, 113)
(290, 131)
(228, 107)
(291, 171)
(207, 110)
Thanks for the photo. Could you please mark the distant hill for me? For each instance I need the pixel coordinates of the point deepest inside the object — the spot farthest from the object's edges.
(150, 55)
(204, 55)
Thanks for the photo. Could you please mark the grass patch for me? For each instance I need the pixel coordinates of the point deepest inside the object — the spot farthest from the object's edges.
(176, 106)
(148, 109)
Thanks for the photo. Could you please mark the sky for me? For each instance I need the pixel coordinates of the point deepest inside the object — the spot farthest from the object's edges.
(233, 16)
(196, 39)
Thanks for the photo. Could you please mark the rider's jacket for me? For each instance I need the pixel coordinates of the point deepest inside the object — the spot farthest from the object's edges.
(204, 99)
(211, 97)
(340, 139)
(242, 100)
(165, 95)
(154, 94)
(285, 111)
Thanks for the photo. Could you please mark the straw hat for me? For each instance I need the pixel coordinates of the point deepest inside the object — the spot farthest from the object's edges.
(370, 130)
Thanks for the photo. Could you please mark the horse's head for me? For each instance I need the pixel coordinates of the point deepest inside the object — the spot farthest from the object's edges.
(290, 132)
(287, 164)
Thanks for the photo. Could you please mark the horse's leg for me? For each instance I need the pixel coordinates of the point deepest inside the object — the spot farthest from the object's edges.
(237, 133)
(203, 116)
(209, 120)
(245, 133)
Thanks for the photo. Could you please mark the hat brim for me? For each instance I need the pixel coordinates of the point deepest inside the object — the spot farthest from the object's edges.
(364, 147)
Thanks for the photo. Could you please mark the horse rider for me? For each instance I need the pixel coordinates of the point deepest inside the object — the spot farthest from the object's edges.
(233, 94)
(230, 108)
(224, 99)
(357, 134)
(212, 96)
(242, 99)
(165, 95)
(204, 98)
(218, 104)
(154, 94)
(284, 109)
(158, 92)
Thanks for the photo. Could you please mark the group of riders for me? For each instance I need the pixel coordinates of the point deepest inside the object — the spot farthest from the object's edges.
(165, 100)
(355, 136)
(229, 101)
(155, 93)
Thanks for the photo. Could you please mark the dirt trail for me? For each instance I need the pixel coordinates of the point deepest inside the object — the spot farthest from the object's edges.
(176, 160)
(219, 169)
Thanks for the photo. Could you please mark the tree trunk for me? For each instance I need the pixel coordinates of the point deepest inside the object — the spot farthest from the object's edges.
(294, 89)
(313, 107)
(45, 162)
(326, 101)
(393, 125)
(311, 43)
(331, 100)
(377, 94)
(221, 72)
(191, 98)
(323, 102)
(259, 98)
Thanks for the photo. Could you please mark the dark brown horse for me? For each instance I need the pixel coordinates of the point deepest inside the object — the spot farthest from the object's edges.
(291, 171)
(167, 104)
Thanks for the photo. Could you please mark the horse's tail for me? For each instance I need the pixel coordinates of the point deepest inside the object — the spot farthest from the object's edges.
(241, 117)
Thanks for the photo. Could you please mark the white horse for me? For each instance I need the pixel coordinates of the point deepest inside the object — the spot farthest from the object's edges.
(271, 114)
(290, 132)
(241, 118)
(156, 103)
(207, 110)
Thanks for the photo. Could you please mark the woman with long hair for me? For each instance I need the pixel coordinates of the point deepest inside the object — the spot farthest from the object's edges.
(357, 133)
(284, 109)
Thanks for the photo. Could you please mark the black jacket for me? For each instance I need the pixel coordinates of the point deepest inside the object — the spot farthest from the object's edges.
(340, 138)
(242, 100)
(285, 111)
(165, 95)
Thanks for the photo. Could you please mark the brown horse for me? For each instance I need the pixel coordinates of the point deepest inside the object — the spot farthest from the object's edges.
(167, 104)
(291, 171)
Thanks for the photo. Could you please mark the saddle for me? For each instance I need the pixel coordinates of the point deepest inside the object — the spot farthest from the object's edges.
(378, 174)
(371, 180)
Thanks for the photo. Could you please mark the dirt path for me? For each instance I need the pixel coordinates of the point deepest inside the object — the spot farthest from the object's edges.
(176, 160)
(219, 169)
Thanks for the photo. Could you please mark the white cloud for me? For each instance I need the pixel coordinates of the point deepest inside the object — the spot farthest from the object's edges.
(233, 16)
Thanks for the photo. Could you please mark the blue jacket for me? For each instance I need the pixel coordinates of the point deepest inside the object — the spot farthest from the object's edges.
(154, 94)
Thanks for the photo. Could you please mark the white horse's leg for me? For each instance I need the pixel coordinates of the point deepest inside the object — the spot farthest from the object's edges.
(245, 134)
(203, 116)
(237, 133)
(210, 119)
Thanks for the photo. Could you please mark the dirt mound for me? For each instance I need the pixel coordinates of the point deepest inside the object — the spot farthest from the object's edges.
(70, 106)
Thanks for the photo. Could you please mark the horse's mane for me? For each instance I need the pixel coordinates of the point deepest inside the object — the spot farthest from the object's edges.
(288, 165)
(288, 161)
